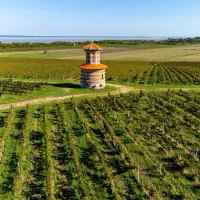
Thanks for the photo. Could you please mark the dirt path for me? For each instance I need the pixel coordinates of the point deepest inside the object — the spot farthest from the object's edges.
(119, 89)
(2, 143)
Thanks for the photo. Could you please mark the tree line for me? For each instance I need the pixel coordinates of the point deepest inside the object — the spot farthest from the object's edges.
(169, 41)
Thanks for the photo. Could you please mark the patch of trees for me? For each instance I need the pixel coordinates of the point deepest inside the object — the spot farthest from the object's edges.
(40, 44)
(169, 41)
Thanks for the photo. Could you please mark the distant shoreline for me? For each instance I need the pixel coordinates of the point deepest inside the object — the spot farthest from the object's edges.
(88, 36)
(48, 39)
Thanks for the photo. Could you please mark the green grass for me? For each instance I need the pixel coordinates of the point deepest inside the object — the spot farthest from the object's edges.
(155, 87)
(61, 88)
(178, 53)
(144, 46)
(121, 52)
(56, 90)
(9, 50)
(53, 54)
(139, 46)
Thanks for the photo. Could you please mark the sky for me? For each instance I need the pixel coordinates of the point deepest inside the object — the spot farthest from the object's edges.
(100, 17)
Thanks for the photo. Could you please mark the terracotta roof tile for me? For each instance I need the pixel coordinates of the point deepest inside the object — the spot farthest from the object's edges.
(92, 46)
(93, 66)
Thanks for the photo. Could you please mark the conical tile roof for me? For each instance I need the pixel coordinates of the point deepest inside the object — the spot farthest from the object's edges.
(92, 47)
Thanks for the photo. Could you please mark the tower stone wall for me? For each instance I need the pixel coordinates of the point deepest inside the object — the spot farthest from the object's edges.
(92, 72)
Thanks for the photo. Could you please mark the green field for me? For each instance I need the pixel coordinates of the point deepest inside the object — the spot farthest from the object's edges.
(122, 52)
(136, 72)
(136, 146)
(20, 91)
(184, 53)
(136, 139)
(54, 54)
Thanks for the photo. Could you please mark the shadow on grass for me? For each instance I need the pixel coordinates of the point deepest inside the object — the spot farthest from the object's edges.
(66, 85)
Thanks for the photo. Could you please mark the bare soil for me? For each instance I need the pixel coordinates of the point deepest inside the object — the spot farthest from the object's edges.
(1, 149)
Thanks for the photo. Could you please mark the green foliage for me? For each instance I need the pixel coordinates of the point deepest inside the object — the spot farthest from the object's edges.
(169, 41)
(18, 87)
(130, 146)
(140, 72)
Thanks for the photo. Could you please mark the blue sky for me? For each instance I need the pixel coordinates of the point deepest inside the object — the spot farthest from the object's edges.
(100, 17)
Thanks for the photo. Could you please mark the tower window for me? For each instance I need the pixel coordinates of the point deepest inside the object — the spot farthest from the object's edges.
(102, 76)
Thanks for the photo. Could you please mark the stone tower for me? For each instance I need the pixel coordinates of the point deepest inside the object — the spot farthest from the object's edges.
(93, 72)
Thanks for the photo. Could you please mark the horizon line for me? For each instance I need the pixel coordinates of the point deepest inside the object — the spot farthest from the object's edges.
(96, 36)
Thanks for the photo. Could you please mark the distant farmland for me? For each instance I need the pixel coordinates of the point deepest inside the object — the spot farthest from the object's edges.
(122, 52)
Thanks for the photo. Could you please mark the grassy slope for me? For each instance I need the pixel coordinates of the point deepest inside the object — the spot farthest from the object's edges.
(7, 50)
(184, 53)
(136, 52)
(141, 46)
(53, 54)
(159, 138)
(56, 90)
(60, 88)
(176, 180)
(133, 52)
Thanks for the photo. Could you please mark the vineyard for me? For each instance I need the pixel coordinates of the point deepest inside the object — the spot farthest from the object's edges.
(18, 87)
(131, 146)
(140, 72)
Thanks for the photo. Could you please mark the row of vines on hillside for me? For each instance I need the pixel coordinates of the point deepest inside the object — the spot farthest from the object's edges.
(141, 72)
(135, 146)
(18, 87)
